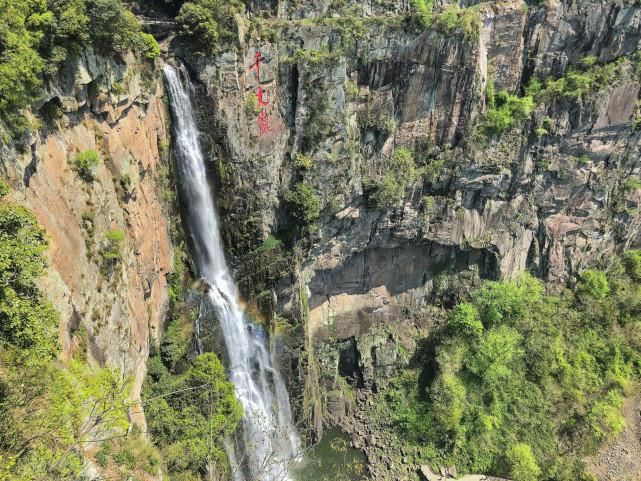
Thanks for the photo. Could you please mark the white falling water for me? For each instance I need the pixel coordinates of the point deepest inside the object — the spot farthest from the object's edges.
(270, 440)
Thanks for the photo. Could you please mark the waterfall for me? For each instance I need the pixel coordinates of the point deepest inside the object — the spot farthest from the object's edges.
(270, 442)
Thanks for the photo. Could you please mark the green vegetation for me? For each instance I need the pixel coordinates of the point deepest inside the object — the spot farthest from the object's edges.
(522, 463)
(632, 263)
(149, 46)
(304, 204)
(186, 411)
(594, 284)
(402, 172)
(111, 251)
(251, 106)
(37, 36)
(519, 373)
(303, 162)
(85, 163)
(314, 57)
(377, 117)
(28, 323)
(632, 183)
(205, 23)
(450, 20)
(4, 188)
(578, 81)
(48, 412)
(423, 9)
(505, 110)
(269, 244)
(176, 340)
(131, 455)
(319, 123)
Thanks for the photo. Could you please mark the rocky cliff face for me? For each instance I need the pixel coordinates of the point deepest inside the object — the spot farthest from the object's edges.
(345, 85)
(110, 241)
(554, 193)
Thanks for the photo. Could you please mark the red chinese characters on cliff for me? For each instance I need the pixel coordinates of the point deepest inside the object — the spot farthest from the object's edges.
(263, 123)
(258, 57)
(263, 119)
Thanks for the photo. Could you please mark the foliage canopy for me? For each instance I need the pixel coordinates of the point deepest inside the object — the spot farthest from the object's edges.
(518, 373)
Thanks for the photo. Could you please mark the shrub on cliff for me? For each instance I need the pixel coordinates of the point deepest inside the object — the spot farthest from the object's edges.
(203, 23)
(402, 173)
(304, 204)
(111, 252)
(85, 163)
(505, 110)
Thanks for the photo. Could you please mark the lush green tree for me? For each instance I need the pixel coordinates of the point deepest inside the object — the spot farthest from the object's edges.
(49, 413)
(67, 33)
(28, 323)
(496, 356)
(198, 23)
(189, 414)
(111, 25)
(20, 63)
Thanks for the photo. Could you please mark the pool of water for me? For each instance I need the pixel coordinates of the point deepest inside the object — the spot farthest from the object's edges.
(332, 459)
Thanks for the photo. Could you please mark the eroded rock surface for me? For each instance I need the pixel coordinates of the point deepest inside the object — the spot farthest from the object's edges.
(111, 310)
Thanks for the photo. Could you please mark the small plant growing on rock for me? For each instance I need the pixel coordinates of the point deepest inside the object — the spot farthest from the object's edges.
(583, 159)
(88, 224)
(390, 190)
(251, 106)
(540, 132)
(4, 188)
(303, 162)
(269, 244)
(632, 184)
(112, 251)
(304, 203)
(85, 163)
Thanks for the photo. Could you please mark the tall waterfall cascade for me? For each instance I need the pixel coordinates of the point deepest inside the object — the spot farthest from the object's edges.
(269, 440)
